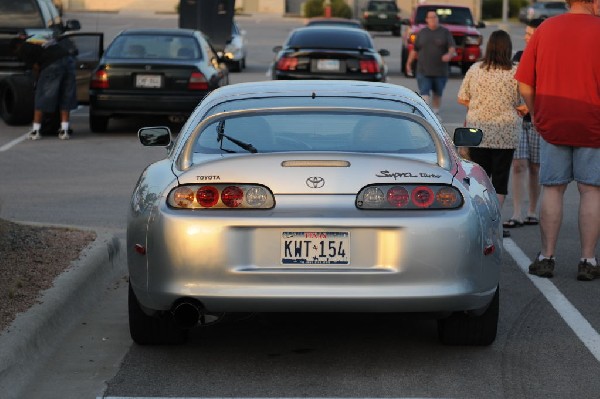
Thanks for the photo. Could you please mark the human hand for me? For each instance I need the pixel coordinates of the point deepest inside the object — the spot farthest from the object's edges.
(522, 110)
(446, 57)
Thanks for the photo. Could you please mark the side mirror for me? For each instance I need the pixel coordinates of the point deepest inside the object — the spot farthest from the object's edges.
(467, 137)
(277, 49)
(480, 25)
(384, 52)
(72, 24)
(158, 136)
(405, 21)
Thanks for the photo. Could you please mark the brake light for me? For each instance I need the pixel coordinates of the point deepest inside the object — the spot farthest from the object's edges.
(287, 64)
(412, 38)
(197, 82)
(221, 196)
(99, 80)
(472, 40)
(369, 66)
(409, 196)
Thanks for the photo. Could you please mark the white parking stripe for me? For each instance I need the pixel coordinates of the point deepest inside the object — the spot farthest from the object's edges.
(200, 397)
(13, 143)
(580, 326)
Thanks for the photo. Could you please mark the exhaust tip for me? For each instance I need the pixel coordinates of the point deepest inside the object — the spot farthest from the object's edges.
(186, 314)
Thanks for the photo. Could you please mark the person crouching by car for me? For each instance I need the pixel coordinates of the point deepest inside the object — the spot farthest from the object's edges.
(54, 64)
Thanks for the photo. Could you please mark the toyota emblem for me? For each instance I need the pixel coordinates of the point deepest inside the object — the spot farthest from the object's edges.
(315, 182)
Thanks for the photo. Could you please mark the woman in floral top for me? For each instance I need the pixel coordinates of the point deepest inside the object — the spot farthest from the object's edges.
(490, 93)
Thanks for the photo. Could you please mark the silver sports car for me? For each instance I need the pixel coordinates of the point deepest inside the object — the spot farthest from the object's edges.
(313, 196)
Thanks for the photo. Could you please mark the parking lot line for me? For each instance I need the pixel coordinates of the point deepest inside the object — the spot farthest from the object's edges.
(13, 143)
(580, 326)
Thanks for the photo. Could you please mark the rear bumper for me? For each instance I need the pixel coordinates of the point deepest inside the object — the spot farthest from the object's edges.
(128, 104)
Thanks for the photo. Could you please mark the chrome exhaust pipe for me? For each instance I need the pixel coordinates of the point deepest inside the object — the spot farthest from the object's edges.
(186, 313)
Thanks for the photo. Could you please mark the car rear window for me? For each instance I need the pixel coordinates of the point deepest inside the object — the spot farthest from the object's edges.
(154, 46)
(330, 38)
(382, 6)
(20, 14)
(316, 131)
(446, 15)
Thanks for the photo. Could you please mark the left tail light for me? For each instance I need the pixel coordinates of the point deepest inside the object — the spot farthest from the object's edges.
(197, 82)
(369, 66)
(287, 64)
(472, 40)
(409, 196)
(99, 80)
(221, 196)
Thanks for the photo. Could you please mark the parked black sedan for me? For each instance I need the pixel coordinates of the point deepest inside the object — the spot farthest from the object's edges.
(154, 72)
(329, 52)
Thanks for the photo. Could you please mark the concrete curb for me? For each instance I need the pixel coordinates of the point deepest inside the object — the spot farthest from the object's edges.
(33, 335)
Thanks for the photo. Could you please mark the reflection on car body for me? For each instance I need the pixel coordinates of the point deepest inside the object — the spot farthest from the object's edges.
(154, 72)
(313, 196)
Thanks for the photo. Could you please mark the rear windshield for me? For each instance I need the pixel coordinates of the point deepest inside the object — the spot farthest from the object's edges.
(330, 38)
(447, 15)
(20, 14)
(382, 6)
(156, 46)
(315, 131)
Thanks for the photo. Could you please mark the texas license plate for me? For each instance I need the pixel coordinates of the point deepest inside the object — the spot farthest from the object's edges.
(328, 65)
(148, 81)
(315, 247)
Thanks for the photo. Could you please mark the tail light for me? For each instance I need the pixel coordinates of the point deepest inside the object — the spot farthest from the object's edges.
(409, 196)
(287, 64)
(472, 40)
(99, 80)
(412, 38)
(197, 82)
(369, 66)
(221, 196)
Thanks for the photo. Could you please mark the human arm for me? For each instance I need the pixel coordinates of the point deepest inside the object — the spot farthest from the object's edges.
(448, 56)
(528, 94)
(412, 56)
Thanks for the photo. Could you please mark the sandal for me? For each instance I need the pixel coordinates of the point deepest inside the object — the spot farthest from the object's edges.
(531, 220)
(511, 223)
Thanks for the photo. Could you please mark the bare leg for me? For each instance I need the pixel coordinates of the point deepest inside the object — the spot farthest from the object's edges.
(37, 116)
(551, 213)
(64, 116)
(436, 102)
(519, 167)
(589, 219)
(534, 188)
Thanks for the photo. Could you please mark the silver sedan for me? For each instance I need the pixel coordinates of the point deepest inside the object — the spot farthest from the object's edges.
(313, 196)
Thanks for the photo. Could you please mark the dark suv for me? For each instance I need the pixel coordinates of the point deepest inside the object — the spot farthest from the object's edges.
(382, 15)
(42, 19)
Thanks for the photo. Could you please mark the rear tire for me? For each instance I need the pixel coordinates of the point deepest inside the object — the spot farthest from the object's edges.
(463, 329)
(465, 67)
(98, 123)
(152, 330)
(16, 100)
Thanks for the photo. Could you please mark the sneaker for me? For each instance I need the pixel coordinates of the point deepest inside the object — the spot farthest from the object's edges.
(542, 268)
(35, 135)
(587, 272)
(64, 134)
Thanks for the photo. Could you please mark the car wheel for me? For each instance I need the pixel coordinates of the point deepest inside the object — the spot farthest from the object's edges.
(151, 330)
(16, 100)
(396, 31)
(98, 123)
(243, 63)
(236, 66)
(463, 329)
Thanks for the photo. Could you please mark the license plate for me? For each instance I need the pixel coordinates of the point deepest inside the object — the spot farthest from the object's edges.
(315, 247)
(328, 65)
(148, 81)
(382, 16)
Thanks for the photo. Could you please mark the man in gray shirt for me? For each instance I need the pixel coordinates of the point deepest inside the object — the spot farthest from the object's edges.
(435, 48)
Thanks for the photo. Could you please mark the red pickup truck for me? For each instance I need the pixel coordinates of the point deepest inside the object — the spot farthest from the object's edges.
(459, 21)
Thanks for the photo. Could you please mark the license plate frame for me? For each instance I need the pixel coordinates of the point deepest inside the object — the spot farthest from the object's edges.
(148, 81)
(315, 248)
(328, 65)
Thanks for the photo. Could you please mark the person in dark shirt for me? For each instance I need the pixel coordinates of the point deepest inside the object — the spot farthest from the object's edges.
(54, 64)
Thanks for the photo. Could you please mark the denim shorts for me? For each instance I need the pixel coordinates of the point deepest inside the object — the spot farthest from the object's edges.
(56, 86)
(427, 84)
(529, 144)
(562, 164)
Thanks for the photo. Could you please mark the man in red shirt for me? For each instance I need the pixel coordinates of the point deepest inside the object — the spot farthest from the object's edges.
(559, 79)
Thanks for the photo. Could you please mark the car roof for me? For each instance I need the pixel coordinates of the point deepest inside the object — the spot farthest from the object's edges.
(159, 31)
(335, 88)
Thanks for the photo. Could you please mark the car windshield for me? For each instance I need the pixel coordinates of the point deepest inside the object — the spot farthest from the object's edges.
(20, 14)
(154, 46)
(330, 38)
(315, 131)
(447, 15)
